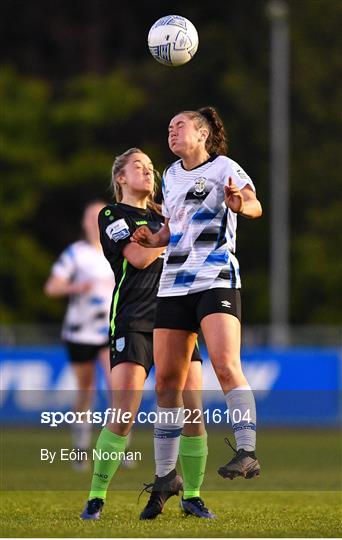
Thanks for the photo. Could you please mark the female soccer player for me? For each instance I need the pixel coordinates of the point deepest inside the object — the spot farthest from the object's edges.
(83, 274)
(137, 272)
(203, 191)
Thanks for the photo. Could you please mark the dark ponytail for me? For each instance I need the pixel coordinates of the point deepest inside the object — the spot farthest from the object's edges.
(216, 143)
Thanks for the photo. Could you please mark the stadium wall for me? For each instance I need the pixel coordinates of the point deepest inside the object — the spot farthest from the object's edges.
(293, 386)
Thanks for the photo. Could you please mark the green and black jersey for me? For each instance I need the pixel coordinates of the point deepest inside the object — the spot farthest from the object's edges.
(135, 293)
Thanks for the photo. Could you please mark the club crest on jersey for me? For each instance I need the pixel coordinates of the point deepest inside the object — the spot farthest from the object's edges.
(199, 187)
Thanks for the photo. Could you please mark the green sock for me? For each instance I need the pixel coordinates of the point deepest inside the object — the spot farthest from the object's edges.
(193, 453)
(104, 469)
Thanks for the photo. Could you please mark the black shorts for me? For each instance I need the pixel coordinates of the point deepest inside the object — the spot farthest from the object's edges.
(80, 353)
(186, 312)
(137, 347)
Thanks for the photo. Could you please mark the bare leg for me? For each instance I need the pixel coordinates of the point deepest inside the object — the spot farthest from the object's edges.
(85, 377)
(172, 353)
(81, 432)
(104, 360)
(127, 382)
(222, 336)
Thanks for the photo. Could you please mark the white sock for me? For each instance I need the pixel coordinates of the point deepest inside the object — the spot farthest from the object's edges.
(242, 415)
(167, 431)
(81, 435)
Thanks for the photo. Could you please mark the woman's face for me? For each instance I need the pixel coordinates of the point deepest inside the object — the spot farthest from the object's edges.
(138, 174)
(184, 136)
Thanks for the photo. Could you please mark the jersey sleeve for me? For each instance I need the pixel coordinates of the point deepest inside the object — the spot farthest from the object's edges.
(240, 177)
(116, 228)
(165, 210)
(65, 266)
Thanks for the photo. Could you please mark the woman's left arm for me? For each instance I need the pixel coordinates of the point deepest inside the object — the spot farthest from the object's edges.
(243, 202)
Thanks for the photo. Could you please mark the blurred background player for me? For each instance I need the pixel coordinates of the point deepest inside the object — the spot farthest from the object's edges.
(137, 273)
(199, 286)
(82, 274)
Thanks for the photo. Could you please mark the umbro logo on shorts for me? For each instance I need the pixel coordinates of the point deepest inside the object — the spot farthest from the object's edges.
(226, 303)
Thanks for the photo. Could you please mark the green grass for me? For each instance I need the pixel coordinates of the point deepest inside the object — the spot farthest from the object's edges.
(262, 514)
(298, 494)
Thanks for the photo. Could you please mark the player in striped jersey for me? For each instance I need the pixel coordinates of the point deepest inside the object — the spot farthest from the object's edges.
(82, 274)
(203, 191)
(137, 272)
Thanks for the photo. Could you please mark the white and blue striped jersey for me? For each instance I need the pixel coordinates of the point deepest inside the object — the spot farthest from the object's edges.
(87, 315)
(201, 251)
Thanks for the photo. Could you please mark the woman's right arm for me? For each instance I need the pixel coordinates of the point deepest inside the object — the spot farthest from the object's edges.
(57, 286)
(145, 238)
(116, 234)
(140, 257)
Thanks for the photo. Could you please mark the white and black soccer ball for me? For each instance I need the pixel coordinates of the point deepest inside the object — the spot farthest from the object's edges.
(173, 40)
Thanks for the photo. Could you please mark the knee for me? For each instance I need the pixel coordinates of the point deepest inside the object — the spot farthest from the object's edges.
(165, 388)
(168, 381)
(169, 391)
(228, 371)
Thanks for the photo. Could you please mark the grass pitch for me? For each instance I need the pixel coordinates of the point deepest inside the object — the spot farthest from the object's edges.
(259, 514)
(298, 494)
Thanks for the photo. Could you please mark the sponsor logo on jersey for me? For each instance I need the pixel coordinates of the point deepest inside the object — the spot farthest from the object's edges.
(118, 230)
(226, 303)
(120, 344)
(179, 216)
(199, 187)
(242, 174)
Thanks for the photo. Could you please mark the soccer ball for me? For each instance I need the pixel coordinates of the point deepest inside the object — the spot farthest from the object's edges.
(173, 40)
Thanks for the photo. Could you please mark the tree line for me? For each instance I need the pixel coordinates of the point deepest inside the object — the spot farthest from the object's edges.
(78, 86)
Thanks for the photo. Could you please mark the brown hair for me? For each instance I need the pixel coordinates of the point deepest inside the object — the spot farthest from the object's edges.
(119, 164)
(216, 142)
